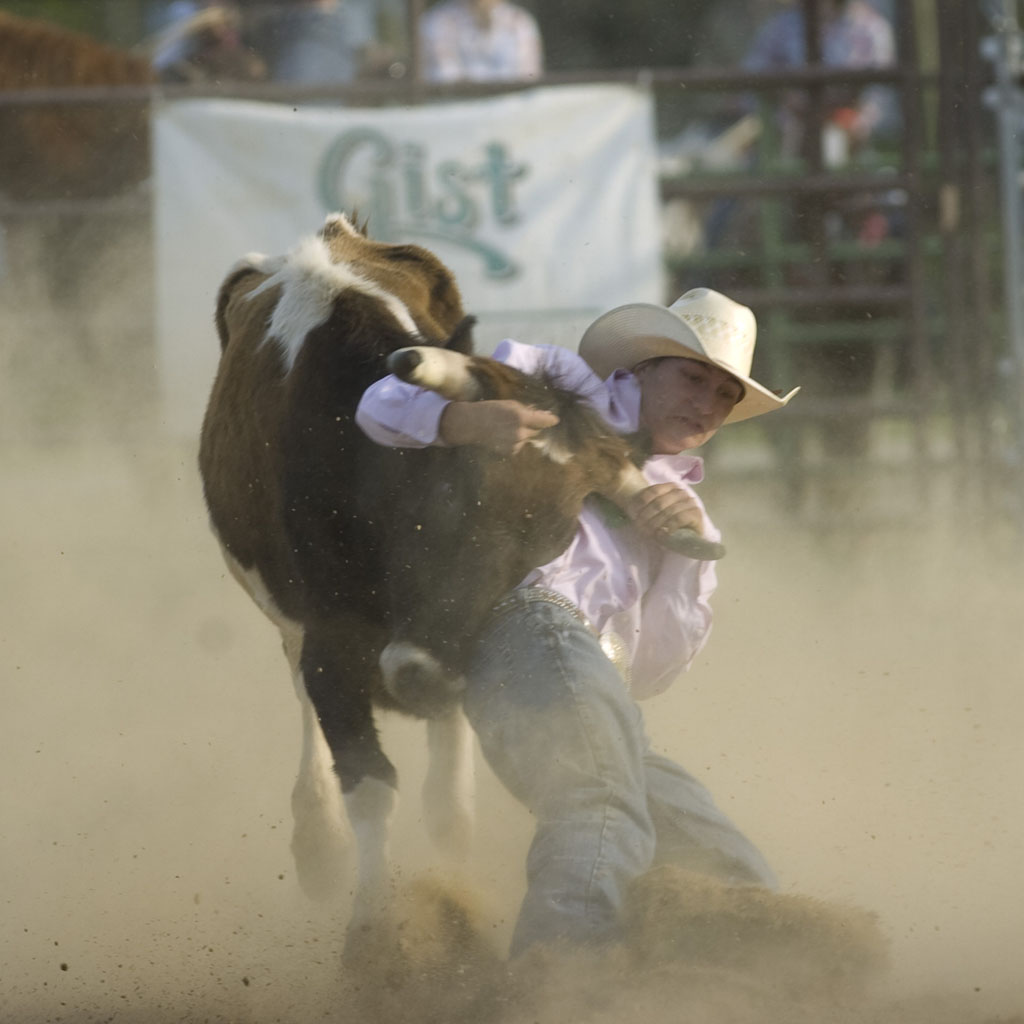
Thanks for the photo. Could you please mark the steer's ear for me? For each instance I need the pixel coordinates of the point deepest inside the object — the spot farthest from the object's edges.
(224, 296)
(461, 339)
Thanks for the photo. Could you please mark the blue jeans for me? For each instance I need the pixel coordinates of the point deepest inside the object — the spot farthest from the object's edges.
(559, 729)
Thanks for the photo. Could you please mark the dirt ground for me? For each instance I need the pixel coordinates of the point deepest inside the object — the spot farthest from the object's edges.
(858, 710)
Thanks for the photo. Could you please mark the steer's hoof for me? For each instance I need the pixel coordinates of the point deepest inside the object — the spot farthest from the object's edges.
(690, 543)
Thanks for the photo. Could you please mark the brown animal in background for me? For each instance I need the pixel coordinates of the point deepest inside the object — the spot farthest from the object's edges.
(62, 242)
(77, 150)
(378, 565)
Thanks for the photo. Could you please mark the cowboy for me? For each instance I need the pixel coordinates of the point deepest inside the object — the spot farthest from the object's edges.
(556, 716)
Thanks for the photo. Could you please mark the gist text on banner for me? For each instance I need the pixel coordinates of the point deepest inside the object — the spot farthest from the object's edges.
(544, 204)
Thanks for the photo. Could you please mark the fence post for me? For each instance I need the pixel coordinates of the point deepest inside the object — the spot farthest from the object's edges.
(1006, 51)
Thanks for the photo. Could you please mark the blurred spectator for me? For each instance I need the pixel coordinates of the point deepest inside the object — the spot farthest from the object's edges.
(855, 34)
(201, 41)
(480, 41)
(164, 13)
(314, 41)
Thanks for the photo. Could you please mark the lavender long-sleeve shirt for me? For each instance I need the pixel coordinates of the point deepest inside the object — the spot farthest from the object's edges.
(658, 602)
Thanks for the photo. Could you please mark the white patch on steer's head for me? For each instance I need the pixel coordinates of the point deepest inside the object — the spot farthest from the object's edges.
(309, 283)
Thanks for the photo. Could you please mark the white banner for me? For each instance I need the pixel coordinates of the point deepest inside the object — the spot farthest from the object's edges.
(544, 204)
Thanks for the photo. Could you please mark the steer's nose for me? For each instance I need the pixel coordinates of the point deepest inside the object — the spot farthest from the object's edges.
(403, 363)
(418, 681)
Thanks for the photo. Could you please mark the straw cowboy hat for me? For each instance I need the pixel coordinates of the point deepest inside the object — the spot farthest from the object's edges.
(702, 324)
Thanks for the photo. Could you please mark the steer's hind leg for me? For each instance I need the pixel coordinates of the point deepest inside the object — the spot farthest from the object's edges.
(448, 787)
(320, 838)
(339, 680)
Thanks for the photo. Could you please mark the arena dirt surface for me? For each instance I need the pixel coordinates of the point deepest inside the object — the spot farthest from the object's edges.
(858, 710)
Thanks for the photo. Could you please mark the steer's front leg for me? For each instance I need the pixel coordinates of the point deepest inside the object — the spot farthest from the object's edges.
(338, 679)
(460, 378)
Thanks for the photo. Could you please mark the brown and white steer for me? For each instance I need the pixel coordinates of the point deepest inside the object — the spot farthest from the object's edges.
(377, 565)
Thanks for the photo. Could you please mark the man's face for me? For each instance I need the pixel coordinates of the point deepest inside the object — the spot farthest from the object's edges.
(684, 401)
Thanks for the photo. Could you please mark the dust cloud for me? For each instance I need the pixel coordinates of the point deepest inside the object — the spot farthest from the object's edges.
(858, 711)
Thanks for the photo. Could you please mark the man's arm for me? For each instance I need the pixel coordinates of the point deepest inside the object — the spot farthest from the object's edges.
(503, 426)
(675, 623)
(400, 415)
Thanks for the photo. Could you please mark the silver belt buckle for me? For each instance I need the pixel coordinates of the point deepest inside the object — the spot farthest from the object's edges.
(614, 648)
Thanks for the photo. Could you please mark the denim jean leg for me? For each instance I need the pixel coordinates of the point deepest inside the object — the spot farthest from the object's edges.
(693, 833)
(560, 731)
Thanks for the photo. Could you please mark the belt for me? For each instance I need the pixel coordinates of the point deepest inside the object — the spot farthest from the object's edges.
(612, 645)
(513, 600)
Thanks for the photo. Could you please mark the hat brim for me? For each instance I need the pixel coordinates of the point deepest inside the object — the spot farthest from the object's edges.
(628, 335)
